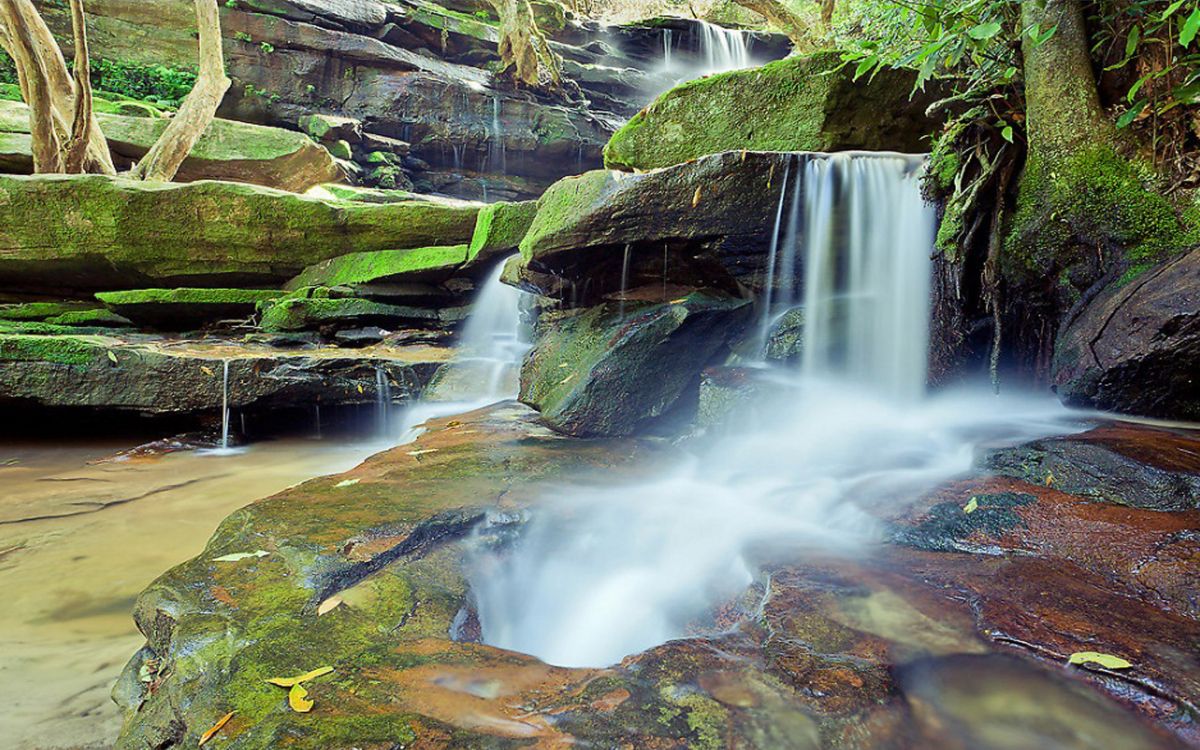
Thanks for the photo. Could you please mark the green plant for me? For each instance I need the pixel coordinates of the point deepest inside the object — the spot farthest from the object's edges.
(242, 36)
(137, 81)
(267, 48)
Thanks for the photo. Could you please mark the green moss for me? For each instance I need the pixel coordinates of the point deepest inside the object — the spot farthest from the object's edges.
(382, 265)
(97, 317)
(1092, 198)
(186, 296)
(803, 103)
(562, 201)
(501, 227)
(39, 310)
(705, 717)
(300, 313)
(64, 350)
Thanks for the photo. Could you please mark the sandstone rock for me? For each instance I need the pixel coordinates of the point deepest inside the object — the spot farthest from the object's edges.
(500, 229)
(815, 106)
(118, 234)
(617, 369)
(420, 264)
(332, 313)
(183, 309)
(1135, 348)
(228, 150)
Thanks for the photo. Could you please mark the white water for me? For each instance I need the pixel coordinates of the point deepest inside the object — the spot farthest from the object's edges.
(717, 50)
(484, 370)
(602, 572)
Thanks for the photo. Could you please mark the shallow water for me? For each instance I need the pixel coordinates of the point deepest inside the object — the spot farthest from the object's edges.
(81, 535)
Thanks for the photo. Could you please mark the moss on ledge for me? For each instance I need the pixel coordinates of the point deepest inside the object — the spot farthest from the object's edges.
(315, 310)
(420, 263)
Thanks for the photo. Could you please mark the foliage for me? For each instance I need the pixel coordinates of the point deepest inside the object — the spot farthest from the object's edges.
(149, 82)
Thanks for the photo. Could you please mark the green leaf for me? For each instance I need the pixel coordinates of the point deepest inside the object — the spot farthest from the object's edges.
(1008, 74)
(112, 358)
(866, 64)
(1170, 11)
(1007, 133)
(1041, 38)
(1131, 43)
(1126, 119)
(985, 30)
(973, 504)
(1108, 661)
(1190, 27)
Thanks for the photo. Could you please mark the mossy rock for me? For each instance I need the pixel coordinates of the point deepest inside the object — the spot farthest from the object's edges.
(228, 150)
(619, 369)
(500, 229)
(803, 103)
(40, 310)
(184, 309)
(415, 264)
(113, 233)
(323, 313)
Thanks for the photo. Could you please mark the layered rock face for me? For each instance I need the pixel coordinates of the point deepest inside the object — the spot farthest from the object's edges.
(413, 76)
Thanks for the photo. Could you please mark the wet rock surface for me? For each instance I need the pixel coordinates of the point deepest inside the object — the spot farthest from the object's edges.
(954, 634)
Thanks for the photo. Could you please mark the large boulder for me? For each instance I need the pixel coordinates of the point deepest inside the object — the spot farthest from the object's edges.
(113, 233)
(707, 222)
(414, 264)
(1135, 348)
(228, 150)
(617, 368)
(814, 104)
(183, 309)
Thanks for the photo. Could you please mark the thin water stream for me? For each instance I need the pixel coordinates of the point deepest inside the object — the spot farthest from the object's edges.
(81, 535)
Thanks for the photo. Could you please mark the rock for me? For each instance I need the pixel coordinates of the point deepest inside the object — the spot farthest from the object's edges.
(500, 229)
(420, 264)
(785, 338)
(184, 309)
(152, 375)
(309, 313)
(612, 371)
(726, 392)
(710, 220)
(1107, 464)
(340, 150)
(331, 128)
(119, 234)
(814, 102)
(228, 150)
(1135, 348)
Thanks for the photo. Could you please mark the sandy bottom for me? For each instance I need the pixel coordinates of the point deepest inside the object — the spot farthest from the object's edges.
(80, 535)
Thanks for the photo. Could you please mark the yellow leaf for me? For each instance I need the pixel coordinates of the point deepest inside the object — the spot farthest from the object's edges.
(696, 196)
(360, 388)
(452, 424)
(347, 483)
(567, 379)
(416, 454)
(329, 605)
(206, 370)
(1049, 479)
(971, 506)
(215, 728)
(235, 556)
(1108, 661)
(298, 699)
(679, 301)
(291, 681)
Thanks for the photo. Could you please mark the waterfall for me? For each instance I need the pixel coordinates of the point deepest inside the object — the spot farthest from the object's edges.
(383, 399)
(769, 287)
(624, 279)
(225, 405)
(668, 34)
(485, 367)
(724, 49)
(497, 160)
(599, 572)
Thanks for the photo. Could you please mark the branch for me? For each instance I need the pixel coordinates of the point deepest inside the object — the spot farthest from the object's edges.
(163, 160)
(81, 127)
(35, 85)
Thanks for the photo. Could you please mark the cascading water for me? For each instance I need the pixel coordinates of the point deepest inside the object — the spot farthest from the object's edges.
(621, 568)
(484, 370)
(715, 49)
(225, 405)
(383, 399)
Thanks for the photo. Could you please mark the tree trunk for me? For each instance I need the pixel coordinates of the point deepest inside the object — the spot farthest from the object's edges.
(779, 16)
(525, 52)
(44, 132)
(81, 126)
(198, 110)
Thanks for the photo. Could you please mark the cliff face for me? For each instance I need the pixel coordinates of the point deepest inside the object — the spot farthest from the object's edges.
(417, 78)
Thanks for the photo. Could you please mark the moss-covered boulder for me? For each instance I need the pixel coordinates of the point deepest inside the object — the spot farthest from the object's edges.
(184, 309)
(1135, 348)
(323, 312)
(805, 103)
(500, 229)
(228, 150)
(153, 375)
(112, 234)
(618, 368)
(414, 264)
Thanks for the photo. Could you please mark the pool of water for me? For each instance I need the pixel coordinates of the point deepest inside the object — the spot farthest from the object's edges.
(83, 529)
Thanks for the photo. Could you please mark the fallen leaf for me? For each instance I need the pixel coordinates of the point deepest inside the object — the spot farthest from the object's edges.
(679, 301)
(567, 379)
(696, 196)
(298, 699)
(290, 681)
(1049, 479)
(112, 358)
(452, 424)
(347, 483)
(414, 454)
(1108, 661)
(235, 556)
(216, 728)
(206, 370)
(971, 506)
(360, 388)
(329, 605)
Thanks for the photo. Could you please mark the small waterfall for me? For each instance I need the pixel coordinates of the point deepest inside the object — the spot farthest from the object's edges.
(225, 405)
(383, 399)
(668, 41)
(724, 49)
(624, 279)
(845, 438)
(497, 159)
(769, 288)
